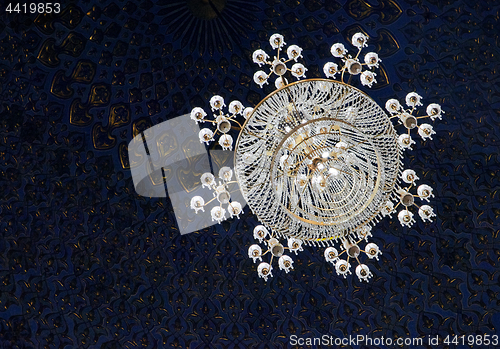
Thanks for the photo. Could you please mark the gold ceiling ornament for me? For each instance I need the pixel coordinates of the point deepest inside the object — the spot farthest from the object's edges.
(318, 161)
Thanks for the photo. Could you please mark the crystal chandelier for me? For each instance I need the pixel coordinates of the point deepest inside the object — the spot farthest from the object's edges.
(317, 160)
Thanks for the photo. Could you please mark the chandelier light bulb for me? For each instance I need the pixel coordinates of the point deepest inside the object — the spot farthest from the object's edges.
(330, 69)
(331, 255)
(365, 232)
(413, 99)
(283, 160)
(264, 270)
(393, 106)
(333, 171)
(372, 251)
(338, 50)
(234, 208)
(372, 60)
(388, 209)
(409, 176)
(260, 57)
(426, 131)
(279, 68)
(301, 180)
(342, 267)
(319, 182)
(260, 232)
(295, 245)
(294, 52)
(277, 41)
(223, 197)
(363, 272)
(298, 70)
(198, 114)
(247, 112)
(349, 158)
(226, 142)
(360, 40)
(353, 250)
(225, 173)
(217, 103)
(368, 78)
(206, 135)
(207, 180)
(218, 214)
(255, 252)
(434, 111)
(260, 78)
(235, 107)
(341, 145)
(285, 263)
(406, 218)
(197, 204)
(277, 250)
(280, 82)
(425, 192)
(426, 213)
(405, 141)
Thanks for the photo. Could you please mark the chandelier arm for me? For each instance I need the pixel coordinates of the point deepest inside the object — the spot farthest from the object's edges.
(232, 119)
(206, 203)
(342, 75)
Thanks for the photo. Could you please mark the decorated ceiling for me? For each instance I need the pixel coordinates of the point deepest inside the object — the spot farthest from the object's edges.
(86, 262)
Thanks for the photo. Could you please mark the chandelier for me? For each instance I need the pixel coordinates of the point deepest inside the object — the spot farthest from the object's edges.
(317, 160)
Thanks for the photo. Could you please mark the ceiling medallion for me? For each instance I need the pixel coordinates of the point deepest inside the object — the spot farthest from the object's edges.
(317, 160)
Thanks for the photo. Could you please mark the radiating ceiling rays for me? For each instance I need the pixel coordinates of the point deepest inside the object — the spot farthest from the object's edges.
(213, 25)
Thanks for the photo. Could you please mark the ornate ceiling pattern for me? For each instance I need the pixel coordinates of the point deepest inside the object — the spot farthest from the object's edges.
(86, 262)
